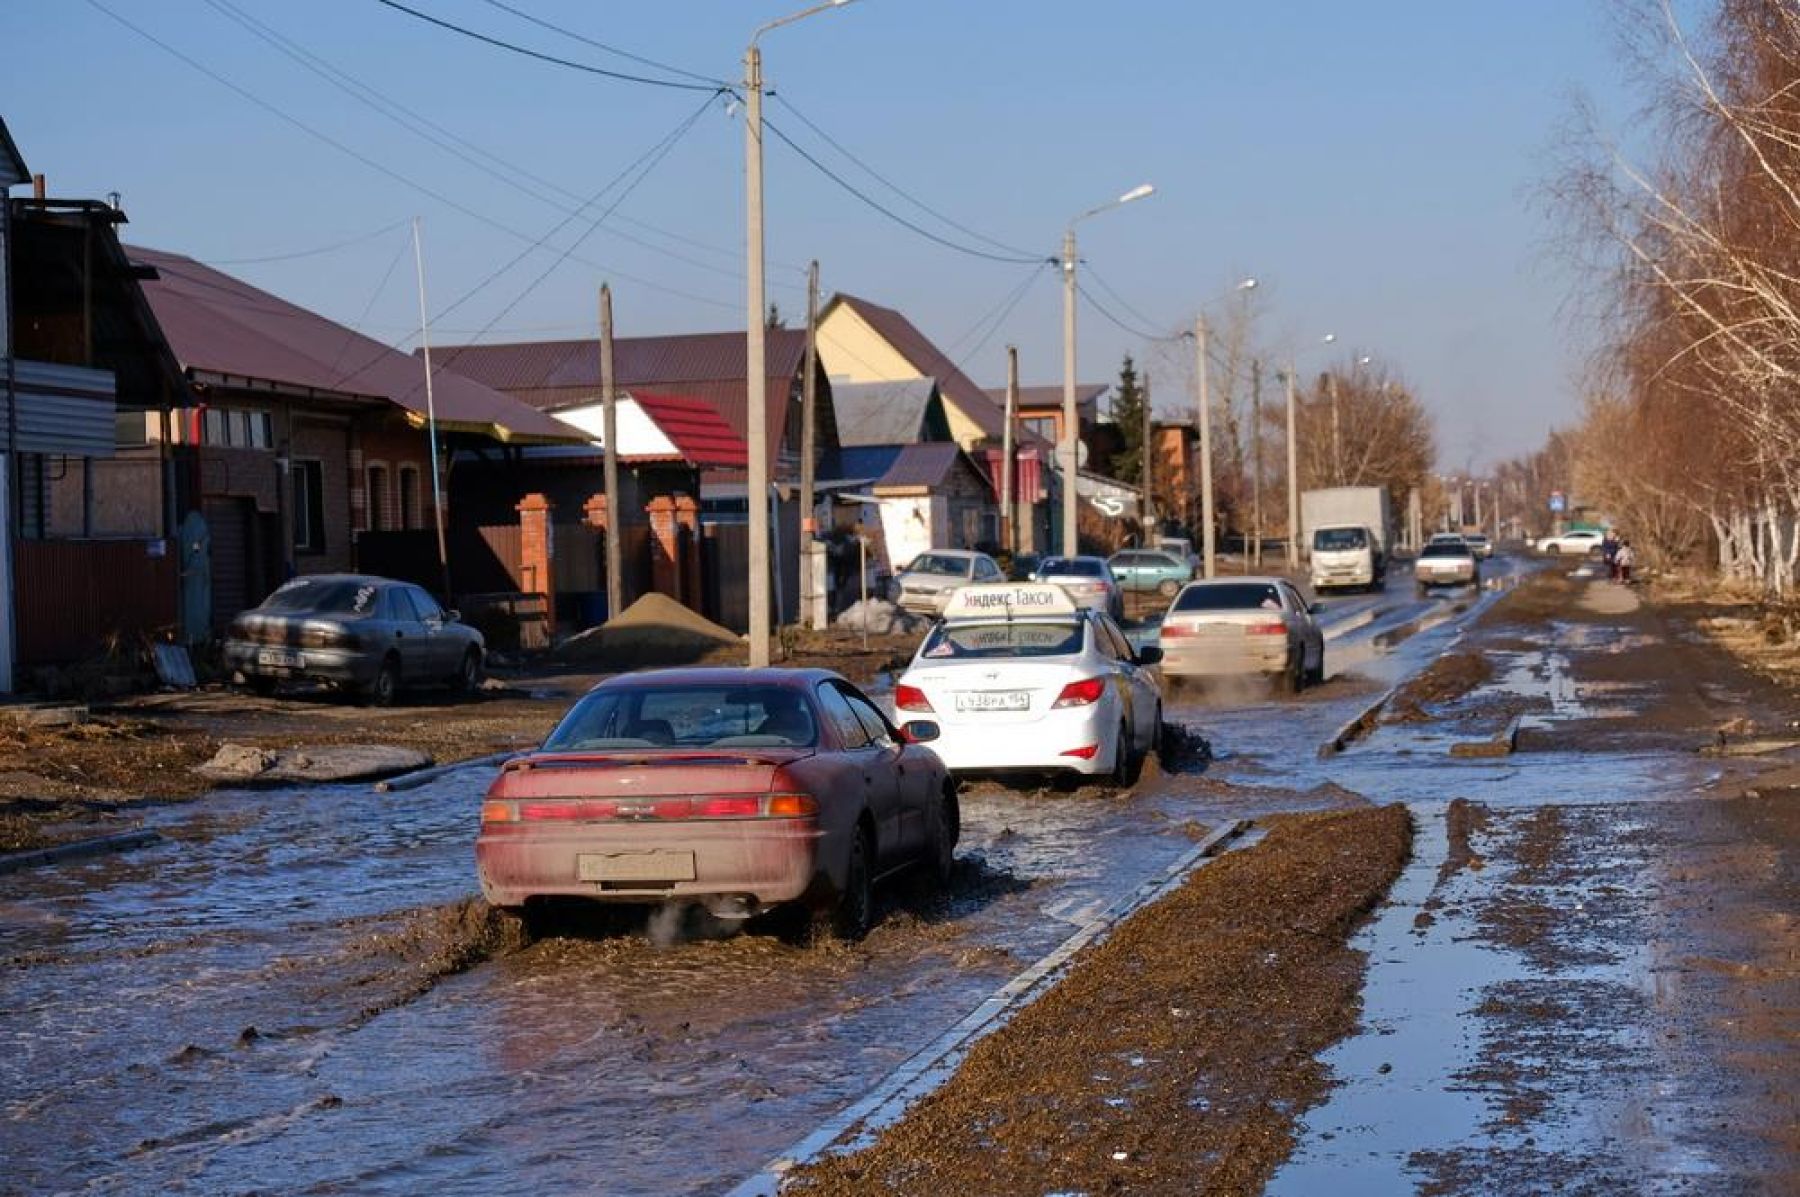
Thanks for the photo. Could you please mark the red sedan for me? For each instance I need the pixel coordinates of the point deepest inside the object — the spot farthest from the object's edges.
(739, 789)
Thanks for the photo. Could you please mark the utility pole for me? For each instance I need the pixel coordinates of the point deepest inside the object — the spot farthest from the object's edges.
(1337, 435)
(811, 582)
(1208, 563)
(1148, 466)
(1008, 507)
(756, 424)
(1293, 478)
(1256, 460)
(1065, 449)
(431, 436)
(609, 432)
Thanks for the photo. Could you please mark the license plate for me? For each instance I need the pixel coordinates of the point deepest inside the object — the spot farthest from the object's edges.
(994, 700)
(280, 658)
(635, 866)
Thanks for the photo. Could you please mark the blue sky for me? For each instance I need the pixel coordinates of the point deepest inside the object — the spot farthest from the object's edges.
(1378, 166)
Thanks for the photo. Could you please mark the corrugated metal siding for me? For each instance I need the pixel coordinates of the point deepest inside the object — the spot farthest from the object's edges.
(65, 409)
(73, 594)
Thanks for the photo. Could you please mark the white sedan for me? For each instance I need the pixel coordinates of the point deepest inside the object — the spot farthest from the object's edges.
(1019, 679)
(1577, 543)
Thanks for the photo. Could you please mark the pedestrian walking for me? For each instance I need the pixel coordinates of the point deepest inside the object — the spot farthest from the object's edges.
(1609, 553)
(1623, 560)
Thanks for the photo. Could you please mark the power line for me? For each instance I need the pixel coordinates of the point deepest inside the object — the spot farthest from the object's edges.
(889, 183)
(1104, 311)
(1010, 259)
(570, 33)
(309, 253)
(542, 57)
(382, 168)
(1117, 298)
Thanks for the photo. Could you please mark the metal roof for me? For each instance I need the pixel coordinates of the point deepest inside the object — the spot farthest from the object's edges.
(220, 325)
(863, 463)
(664, 428)
(923, 466)
(1087, 395)
(930, 361)
(12, 163)
(889, 413)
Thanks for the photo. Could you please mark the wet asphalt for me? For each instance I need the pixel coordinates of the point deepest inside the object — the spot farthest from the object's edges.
(260, 1003)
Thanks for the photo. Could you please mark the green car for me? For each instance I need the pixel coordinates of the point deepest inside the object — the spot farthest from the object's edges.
(1141, 571)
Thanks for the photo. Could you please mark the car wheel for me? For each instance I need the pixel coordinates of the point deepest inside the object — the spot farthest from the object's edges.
(854, 913)
(386, 686)
(1167, 587)
(1316, 674)
(1422, 590)
(1293, 678)
(259, 685)
(468, 674)
(946, 827)
(1122, 771)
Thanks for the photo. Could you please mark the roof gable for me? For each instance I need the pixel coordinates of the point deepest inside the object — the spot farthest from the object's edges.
(890, 413)
(930, 361)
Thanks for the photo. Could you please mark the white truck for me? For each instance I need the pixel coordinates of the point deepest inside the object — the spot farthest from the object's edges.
(1346, 531)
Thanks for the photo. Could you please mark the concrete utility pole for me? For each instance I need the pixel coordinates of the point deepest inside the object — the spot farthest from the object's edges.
(609, 432)
(1337, 434)
(811, 582)
(756, 402)
(1148, 465)
(1256, 460)
(1067, 456)
(1208, 563)
(1008, 507)
(1293, 477)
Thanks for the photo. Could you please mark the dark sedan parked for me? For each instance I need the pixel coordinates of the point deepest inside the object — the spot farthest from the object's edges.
(368, 635)
(739, 790)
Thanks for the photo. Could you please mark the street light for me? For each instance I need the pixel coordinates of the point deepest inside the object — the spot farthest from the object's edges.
(1065, 449)
(756, 427)
(1203, 401)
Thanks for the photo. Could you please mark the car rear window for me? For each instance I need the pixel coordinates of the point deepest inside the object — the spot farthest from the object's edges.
(962, 642)
(332, 596)
(935, 563)
(1335, 540)
(1072, 567)
(712, 716)
(1230, 596)
(1445, 549)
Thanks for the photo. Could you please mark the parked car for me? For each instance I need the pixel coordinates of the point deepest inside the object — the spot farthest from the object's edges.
(1484, 548)
(1178, 546)
(1577, 543)
(1022, 567)
(927, 583)
(1145, 571)
(1448, 538)
(1226, 628)
(1088, 580)
(370, 636)
(1020, 679)
(742, 790)
(1446, 563)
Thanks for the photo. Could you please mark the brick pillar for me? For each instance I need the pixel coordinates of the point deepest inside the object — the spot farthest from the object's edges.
(687, 519)
(665, 562)
(535, 554)
(595, 511)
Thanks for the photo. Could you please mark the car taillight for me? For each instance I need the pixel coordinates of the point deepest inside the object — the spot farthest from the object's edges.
(1266, 629)
(1174, 631)
(713, 806)
(1086, 752)
(499, 812)
(1082, 693)
(911, 698)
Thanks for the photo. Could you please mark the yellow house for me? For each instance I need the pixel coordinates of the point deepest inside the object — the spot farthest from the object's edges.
(864, 342)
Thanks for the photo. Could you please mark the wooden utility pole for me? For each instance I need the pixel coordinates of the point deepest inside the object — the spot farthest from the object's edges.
(1148, 465)
(1256, 461)
(810, 582)
(1204, 402)
(609, 433)
(1293, 478)
(1008, 507)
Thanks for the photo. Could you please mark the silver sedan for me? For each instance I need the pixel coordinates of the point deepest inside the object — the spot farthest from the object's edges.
(1239, 626)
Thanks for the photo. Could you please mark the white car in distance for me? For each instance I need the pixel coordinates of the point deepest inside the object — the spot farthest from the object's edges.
(1578, 543)
(1021, 680)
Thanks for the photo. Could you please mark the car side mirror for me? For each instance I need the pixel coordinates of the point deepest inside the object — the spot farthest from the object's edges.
(919, 731)
(1150, 654)
(1314, 608)
(453, 616)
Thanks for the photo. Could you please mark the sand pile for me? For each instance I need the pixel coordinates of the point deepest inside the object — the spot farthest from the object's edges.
(655, 630)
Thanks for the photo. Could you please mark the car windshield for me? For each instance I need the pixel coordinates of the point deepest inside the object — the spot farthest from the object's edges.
(1230, 596)
(939, 563)
(1476, 538)
(961, 642)
(739, 715)
(1332, 540)
(1445, 549)
(1072, 567)
(324, 596)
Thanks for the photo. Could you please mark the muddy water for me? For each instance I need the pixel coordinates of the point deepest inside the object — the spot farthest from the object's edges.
(293, 992)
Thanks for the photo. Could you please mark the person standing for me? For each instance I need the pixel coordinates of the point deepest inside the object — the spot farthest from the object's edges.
(1609, 553)
(1623, 560)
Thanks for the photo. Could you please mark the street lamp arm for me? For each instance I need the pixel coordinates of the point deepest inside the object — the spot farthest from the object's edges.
(798, 16)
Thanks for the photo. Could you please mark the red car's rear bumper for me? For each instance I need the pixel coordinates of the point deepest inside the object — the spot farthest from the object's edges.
(761, 862)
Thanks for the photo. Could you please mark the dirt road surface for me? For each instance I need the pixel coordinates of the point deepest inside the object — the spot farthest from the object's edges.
(1583, 976)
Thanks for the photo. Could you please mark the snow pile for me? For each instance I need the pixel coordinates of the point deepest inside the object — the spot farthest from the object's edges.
(879, 617)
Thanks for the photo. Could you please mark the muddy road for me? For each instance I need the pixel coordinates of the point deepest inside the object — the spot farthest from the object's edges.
(295, 991)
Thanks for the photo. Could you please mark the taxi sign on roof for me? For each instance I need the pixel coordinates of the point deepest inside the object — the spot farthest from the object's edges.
(1008, 600)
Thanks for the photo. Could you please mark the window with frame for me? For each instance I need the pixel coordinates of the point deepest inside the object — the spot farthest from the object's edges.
(377, 519)
(1044, 426)
(409, 497)
(308, 479)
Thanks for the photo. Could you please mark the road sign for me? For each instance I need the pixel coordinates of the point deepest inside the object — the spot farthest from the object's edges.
(1558, 503)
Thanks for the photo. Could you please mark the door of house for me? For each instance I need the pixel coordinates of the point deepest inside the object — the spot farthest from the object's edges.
(232, 563)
